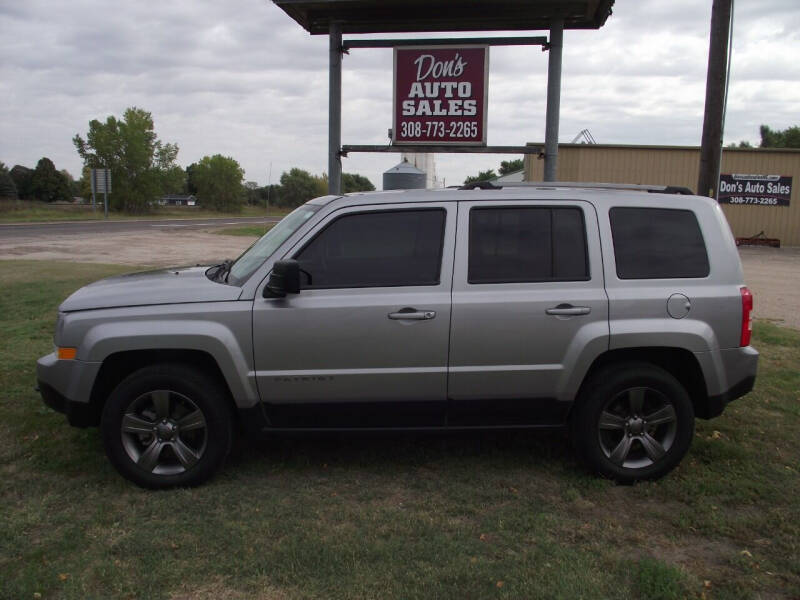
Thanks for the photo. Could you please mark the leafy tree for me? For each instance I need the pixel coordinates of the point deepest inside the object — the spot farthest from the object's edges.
(190, 187)
(773, 138)
(7, 187)
(353, 182)
(742, 144)
(219, 183)
(140, 163)
(23, 179)
(74, 185)
(506, 167)
(85, 184)
(48, 184)
(271, 195)
(509, 166)
(251, 192)
(173, 180)
(322, 185)
(298, 186)
(481, 176)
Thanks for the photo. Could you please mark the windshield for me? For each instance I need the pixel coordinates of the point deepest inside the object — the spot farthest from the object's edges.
(262, 249)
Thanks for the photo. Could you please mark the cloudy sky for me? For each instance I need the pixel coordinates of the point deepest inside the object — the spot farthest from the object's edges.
(242, 79)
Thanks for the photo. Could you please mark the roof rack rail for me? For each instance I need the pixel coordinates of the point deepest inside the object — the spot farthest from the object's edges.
(653, 189)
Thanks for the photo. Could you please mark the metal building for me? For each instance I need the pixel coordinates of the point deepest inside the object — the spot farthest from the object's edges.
(678, 165)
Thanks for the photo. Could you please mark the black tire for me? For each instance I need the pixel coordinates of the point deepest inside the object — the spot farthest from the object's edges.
(619, 442)
(182, 457)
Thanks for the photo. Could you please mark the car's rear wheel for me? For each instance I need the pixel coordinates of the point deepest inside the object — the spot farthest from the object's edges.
(632, 422)
(166, 426)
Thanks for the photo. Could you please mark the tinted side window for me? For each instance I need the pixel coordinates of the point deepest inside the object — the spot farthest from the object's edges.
(380, 249)
(527, 244)
(658, 243)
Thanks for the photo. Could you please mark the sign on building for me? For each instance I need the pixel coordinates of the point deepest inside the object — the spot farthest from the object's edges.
(440, 95)
(762, 190)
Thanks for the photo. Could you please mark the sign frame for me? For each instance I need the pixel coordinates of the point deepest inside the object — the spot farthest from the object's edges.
(101, 182)
(447, 143)
(754, 197)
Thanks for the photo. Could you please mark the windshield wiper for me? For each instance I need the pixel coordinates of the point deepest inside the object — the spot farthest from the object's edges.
(221, 271)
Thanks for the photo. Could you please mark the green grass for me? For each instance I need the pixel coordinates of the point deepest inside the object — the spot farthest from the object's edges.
(468, 516)
(246, 230)
(23, 211)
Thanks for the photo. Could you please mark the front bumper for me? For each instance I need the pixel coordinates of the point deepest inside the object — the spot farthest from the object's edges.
(79, 414)
(66, 386)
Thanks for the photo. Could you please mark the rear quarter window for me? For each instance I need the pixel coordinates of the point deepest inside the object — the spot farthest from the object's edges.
(657, 243)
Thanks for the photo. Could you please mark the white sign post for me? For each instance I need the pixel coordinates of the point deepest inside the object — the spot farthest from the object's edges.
(101, 182)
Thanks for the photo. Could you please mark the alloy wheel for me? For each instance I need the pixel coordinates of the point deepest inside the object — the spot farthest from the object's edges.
(164, 432)
(637, 427)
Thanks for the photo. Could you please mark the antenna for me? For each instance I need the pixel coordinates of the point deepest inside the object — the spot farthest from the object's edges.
(269, 185)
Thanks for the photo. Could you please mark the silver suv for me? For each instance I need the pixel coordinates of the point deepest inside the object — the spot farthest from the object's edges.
(617, 313)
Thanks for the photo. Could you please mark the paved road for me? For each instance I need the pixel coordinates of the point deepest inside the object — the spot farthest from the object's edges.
(12, 230)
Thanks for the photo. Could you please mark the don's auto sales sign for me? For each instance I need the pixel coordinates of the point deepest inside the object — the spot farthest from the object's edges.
(440, 95)
(759, 190)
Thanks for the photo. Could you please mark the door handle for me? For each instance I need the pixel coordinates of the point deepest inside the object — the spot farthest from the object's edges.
(411, 314)
(568, 310)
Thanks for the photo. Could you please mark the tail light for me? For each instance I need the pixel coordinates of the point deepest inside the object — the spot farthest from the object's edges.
(747, 317)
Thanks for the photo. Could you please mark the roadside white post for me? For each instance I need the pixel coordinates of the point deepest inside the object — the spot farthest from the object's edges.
(101, 182)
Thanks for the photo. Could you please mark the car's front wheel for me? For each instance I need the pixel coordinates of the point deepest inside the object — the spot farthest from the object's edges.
(167, 426)
(633, 421)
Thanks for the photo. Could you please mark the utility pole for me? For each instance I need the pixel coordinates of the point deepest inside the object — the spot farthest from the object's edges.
(555, 46)
(711, 144)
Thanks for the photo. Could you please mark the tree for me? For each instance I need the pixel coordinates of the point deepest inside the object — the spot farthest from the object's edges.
(189, 186)
(271, 195)
(742, 144)
(774, 138)
(74, 185)
(173, 180)
(7, 187)
(353, 182)
(481, 176)
(23, 179)
(85, 184)
(298, 186)
(219, 183)
(48, 184)
(510, 166)
(252, 193)
(141, 165)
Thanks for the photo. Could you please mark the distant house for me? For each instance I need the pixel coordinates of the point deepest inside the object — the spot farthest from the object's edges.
(177, 200)
(513, 177)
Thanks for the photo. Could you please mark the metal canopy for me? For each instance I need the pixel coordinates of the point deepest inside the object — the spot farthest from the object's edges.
(335, 17)
(385, 16)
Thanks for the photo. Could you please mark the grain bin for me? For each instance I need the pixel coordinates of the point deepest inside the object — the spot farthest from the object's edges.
(404, 176)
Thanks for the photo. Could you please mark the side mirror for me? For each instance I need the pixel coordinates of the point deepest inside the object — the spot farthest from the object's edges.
(284, 279)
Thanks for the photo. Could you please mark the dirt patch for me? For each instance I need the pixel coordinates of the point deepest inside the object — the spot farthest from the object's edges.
(773, 275)
(141, 248)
